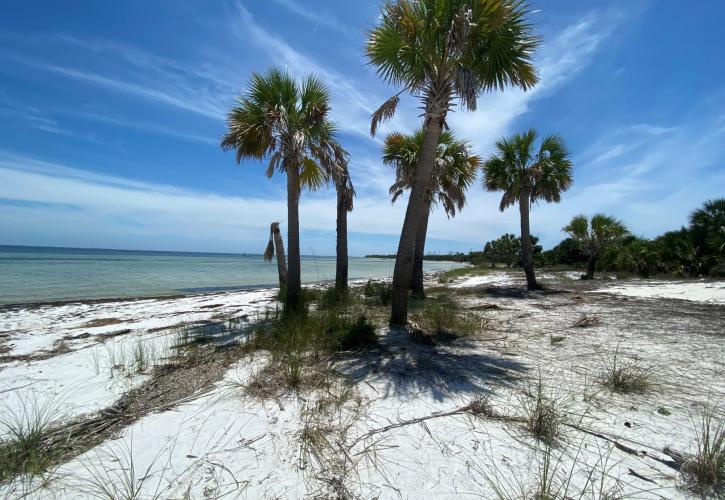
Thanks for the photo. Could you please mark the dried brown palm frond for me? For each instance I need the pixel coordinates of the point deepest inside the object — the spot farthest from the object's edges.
(383, 113)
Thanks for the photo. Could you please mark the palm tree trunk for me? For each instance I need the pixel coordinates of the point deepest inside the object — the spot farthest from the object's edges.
(281, 261)
(416, 209)
(526, 251)
(341, 270)
(591, 265)
(294, 284)
(417, 286)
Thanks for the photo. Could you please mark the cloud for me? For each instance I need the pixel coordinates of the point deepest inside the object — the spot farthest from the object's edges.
(352, 105)
(559, 60)
(321, 18)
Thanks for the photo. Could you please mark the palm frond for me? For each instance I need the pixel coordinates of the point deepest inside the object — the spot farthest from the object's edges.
(312, 176)
(383, 113)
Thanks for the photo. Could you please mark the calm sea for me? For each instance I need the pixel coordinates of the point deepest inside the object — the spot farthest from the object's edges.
(38, 274)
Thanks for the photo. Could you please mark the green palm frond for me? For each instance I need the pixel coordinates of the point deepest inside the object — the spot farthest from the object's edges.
(286, 122)
(595, 233)
(441, 50)
(454, 171)
(516, 166)
(312, 175)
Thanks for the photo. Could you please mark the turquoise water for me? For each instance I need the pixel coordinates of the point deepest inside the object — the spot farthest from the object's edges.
(39, 274)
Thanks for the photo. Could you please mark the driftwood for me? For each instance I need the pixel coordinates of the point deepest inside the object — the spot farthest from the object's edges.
(476, 409)
(586, 321)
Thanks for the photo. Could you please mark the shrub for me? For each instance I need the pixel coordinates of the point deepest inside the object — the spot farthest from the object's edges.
(378, 292)
(359, 335)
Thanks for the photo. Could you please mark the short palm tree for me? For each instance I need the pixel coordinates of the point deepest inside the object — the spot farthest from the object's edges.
(509, 247)
(276, 246)
(595, 235)
(345, 194)
(442, 51)
(286, 122)
(527, 175)
(491, 252)
(707, 225)
(454, 171)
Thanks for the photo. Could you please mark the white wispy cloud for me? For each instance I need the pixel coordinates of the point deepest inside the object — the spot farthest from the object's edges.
(562, 56)
(321, 18)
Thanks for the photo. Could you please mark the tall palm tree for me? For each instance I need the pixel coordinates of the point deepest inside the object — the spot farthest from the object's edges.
(276, 245)
(442, 51)
(345, 194)
(453, 172)
(286, 122)
(527, 175)
(595, 235)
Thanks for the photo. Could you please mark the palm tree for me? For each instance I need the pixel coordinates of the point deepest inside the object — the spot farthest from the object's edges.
(276, 245)
(286, 122)
(441, 51)
(509, 248)
(707, 225)
(491, 251)
(454, 170)
(594, 236)
(526, 176)
(345, 194)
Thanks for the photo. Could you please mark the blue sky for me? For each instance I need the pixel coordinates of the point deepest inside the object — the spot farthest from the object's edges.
(111, 115)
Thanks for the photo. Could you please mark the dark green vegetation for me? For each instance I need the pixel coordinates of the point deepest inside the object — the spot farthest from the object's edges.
(695, 250)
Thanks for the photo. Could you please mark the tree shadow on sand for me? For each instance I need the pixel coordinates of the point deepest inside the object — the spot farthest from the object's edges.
(408, 368)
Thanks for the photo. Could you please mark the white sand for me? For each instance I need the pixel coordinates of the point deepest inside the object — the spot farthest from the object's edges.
(699, 291)
(226, 444)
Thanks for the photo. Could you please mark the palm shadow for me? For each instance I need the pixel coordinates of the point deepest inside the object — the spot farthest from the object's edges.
(407, 368)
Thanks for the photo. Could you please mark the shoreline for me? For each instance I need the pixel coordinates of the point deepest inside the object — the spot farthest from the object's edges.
(217, 291)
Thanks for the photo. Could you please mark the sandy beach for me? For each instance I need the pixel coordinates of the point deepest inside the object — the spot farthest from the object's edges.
(402, 424)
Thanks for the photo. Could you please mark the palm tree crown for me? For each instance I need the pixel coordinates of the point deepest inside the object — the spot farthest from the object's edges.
(454, 169)
(288, 123)
(439, 50)
(517, 166)
(595, 234)
(707, 225)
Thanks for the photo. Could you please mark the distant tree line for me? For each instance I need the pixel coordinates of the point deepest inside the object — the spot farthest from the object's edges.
(603, 243)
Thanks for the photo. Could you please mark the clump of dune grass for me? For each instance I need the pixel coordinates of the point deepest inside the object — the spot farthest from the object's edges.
(25, 426)
(556, 339)
(378, 293)
(553, 480)
(543, 413)
(441, 318)
(704, 471)
(298, 343)
(625, 375)
(112, 474)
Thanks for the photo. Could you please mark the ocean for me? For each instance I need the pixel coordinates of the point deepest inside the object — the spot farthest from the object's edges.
(43, 274)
